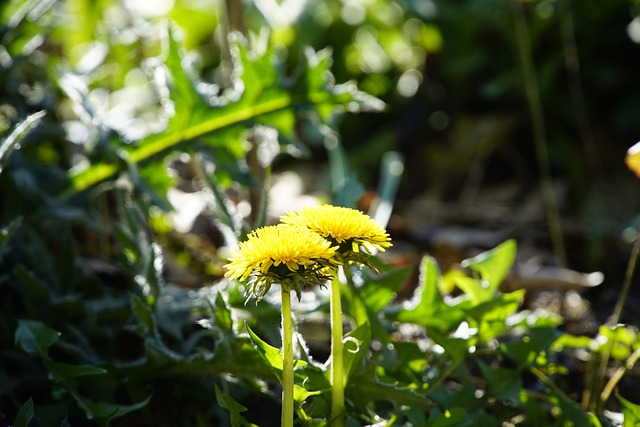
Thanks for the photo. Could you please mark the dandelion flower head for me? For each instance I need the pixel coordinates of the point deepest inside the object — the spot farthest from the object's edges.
(349, 228)
(289, 255)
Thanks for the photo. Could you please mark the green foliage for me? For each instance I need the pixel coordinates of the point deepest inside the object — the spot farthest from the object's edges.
(631, 412)
(234, 408)
(25, 414)
(260, 95)
(101, 106)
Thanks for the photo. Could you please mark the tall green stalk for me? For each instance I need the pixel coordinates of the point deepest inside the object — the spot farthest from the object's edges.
(598, 401)
(337, 364)
(287, 360)
(539, 130)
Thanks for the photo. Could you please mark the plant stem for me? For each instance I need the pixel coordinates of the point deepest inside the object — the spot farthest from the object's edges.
(631, 267)
(287, 360)
(613, 321)
(539, 130)
(442, 377)
(549, 383)
(617, 376)
(576, 91)
(337, 364)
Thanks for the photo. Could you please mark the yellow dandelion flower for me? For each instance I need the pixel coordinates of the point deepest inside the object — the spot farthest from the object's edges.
(289, 255)
(349, 228)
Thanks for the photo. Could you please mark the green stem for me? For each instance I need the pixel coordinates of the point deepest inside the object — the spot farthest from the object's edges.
(613, 321)
(617, 376)
(446, 374)
(539, 130)
(549, 383)
(287, 360)
(337, 364)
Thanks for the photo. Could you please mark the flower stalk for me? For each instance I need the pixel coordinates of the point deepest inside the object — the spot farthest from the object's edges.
(356, 236)
(287, 359)
(337, 353)
(308, 247)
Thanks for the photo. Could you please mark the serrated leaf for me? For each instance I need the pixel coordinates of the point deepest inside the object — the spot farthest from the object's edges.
(258, 95)
(365, 303)
(227, 211)
(234, 408)
(491, 315)
(493, 267)
(427, 307)
(105, 412)
(503, 384)
(272, 355)
(379, 291)
(525, 350)
(25, 414)
(365, 387)
(35, 337)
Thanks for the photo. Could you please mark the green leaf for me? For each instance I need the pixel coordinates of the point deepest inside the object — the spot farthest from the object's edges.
(571, 341)
(144, 315)
(535, 413)
(456, 348)
(493, 266)
(574, 415)
(365, 387)
(622, 339)
(313, 377)
(105, 412)
(12, 142)
(428, 308)
(265, 96)
(491, 316)
(355, 306)
(525, 351)
(66, 372)
(502, 383)
(301, 394)
(234, 408)
(454, 417)
(38, 289)
(475, 288)
(222, 314)
(227, 211)
(378, 291)
(272, 355)
(631, 412)
(356, 346)
(7, 231)
(25, 414)
(35, 337)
